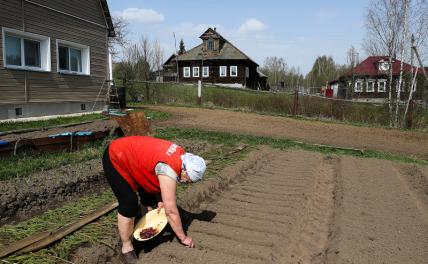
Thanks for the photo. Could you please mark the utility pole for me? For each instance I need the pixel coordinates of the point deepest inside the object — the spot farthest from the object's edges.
(176, 58)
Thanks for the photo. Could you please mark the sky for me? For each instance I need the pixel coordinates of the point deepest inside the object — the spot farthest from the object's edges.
(298, 31)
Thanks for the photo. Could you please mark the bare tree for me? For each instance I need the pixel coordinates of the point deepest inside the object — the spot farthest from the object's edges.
(385, 24)
(275, 68)
(402, 49)
(158, 57)
(119, 42)
(352, 58)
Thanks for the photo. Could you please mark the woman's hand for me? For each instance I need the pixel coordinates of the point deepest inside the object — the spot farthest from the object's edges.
(188, 242)
(160, 206)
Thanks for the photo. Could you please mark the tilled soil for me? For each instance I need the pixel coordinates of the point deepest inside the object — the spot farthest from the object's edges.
(366, 138)
(304, 207)
(23, 197)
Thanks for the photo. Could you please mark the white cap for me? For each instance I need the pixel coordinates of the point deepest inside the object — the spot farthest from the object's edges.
(194, 165)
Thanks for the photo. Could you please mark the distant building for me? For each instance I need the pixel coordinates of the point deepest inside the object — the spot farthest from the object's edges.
(216, 61)
(369, 80)
(53, 56)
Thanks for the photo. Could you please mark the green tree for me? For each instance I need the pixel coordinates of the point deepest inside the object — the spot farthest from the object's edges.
(323, 71)
(182, 48)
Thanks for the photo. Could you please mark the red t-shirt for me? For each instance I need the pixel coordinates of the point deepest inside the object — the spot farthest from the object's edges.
(136, 157)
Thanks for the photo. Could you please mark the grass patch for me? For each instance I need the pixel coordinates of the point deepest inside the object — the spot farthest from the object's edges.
(8, 126)
(151, 114)
(57, 218)
(227, 138)
(27, 163)
(269, 102)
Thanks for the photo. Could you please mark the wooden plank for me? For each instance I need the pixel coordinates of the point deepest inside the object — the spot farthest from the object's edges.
(14, 247)
(41, 240)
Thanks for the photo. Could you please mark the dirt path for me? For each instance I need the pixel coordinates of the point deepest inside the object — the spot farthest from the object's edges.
(386, 140)
(303, 207)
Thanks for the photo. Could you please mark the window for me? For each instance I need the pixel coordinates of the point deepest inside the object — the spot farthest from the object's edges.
(370, 86)
(247, 72)
(73, 58)
(186, 72)
(403, 85)
(210, 44)
(381, 86)
(26, 51)
(223, 71)
(82, 106)
(206, 71)
(18, 111)
(233, 71)
(358, 86)
(195, 71)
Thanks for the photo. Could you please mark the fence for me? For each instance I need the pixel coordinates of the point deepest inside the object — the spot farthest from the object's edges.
(283, 103)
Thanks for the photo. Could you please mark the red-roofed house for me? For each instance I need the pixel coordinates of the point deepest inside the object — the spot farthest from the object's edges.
(370, 79)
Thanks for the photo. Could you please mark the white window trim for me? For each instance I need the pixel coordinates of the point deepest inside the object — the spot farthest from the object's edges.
(184, 72)
(45, 50)
(208, 71)
(378, 85)
(85, 53)
(403, 86)
(225, 71)
(373, 85)
(234, 75)
(361, 87)
(195, 72)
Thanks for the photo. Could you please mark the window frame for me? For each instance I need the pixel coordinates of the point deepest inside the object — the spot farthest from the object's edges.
(85, 57)
(44, 50)
(378, 85)
(403, 86)
(210, 47)
(373, 85)
(231, 70)
(203, 71)
(225, 71)
(184, 72)
(356, 85)
(193, 72)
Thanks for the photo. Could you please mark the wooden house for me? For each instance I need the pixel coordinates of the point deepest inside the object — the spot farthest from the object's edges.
(53, 56)
(216, 61)
(369, 80)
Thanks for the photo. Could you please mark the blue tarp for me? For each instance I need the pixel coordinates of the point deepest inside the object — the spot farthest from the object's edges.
(75, 134)
(3, 143)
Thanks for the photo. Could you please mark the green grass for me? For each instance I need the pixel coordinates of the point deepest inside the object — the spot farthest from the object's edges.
(151, 114)
(27, 163)
(7, 126)
(227, 138)
(54, 219)
(266, 102)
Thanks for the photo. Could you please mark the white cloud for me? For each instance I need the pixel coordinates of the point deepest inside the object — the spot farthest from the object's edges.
(251, 25)
(147, 16)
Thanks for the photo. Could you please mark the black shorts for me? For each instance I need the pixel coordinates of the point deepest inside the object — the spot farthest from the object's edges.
(126, 196)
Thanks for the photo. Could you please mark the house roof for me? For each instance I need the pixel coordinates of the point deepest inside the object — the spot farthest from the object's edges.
(370, 67)
(228, 52)
(109, 21)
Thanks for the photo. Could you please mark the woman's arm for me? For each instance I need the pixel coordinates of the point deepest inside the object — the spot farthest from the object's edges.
(169, 198)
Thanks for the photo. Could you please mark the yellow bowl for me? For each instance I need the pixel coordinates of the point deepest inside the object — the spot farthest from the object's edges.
(151, 219)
